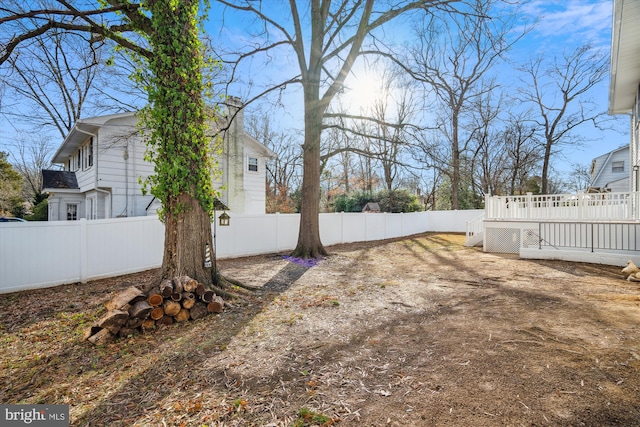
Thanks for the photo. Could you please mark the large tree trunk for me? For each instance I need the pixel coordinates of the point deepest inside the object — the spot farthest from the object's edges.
(544, 184)
(455, 164)
(309, 243)
(185, 240)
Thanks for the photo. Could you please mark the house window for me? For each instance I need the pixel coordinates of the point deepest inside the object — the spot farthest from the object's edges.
(72, 212)
(86, 152)
(617, 166)
(253, 164)
(90, 152)
(78, 159)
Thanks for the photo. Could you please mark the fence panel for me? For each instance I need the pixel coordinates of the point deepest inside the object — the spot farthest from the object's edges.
(50, 253)
(34, 255)
(332, 228)
(123, 245)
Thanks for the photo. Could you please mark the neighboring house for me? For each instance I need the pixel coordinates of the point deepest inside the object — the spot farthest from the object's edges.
(610, 172)
(103, 162)
(601, 228)
(625, 75)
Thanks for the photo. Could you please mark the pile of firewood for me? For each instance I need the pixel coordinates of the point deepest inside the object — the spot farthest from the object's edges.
(631, 272)
(133, 310)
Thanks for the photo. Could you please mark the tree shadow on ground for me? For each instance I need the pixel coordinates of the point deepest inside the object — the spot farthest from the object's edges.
(145, 370)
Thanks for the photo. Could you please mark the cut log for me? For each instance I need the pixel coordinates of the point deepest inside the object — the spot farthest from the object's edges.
(142, 297)
(166, 288)
(182, 316)
(216, 306)
(102, 337)
(155, 298)
(635, 277)
(140, 310)
(176, 296)
(123, 298)
(177, 284)
(148, 324)
(198, 311)
(89, 332)
(171, 308)
(156, 313)
(189, 284)
(207, 296)
(188, 300)
(200, 289)
(113, 320)
(165, 320)
(133, 323)
(630, 269)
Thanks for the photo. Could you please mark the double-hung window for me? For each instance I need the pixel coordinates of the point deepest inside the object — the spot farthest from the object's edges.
(253, 164)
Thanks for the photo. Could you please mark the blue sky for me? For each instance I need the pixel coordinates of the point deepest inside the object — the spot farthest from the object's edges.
(561, 25)
(566, 24)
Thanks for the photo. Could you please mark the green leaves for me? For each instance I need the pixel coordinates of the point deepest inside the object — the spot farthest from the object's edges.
(175, 119)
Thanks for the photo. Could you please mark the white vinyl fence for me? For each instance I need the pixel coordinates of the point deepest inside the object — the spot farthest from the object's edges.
(41, 254)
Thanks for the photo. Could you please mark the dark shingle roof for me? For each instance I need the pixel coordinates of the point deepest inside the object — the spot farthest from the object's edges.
(59, 180)
(371, 207)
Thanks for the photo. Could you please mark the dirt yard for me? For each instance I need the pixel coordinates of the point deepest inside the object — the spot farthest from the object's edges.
(413, 332)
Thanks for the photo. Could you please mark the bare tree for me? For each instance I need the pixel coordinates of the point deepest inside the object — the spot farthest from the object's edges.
(557, 93)
(579, 178)
(488, 160)
(325, 39)
(284, 171)
(523, 153)
(34, 155)
(392, 112)
(452, 57)
(58, 73)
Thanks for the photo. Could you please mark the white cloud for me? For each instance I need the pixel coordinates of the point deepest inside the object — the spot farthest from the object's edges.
(575, 19)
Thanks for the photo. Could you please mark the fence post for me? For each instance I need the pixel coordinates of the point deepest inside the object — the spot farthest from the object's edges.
(277, 231)
(529, 205)
(581, 204)
(487, 206)
(84, 262)
(385, 225)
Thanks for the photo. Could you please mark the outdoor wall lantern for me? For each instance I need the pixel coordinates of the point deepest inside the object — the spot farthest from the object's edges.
(224, 219)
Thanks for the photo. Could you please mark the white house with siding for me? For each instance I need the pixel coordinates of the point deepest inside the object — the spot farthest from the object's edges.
(624, 85)
(611, 171)
(103, 167)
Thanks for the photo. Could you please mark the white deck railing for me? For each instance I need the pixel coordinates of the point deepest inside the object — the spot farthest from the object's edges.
(580, 206)
(475, 226)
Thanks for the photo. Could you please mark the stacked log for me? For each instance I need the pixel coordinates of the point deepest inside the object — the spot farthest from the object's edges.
(133, 311)
(631, 272)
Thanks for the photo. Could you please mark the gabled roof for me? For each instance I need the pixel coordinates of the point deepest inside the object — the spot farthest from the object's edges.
(59, 180)
(371, 207)
(625, 56)
(261, 148)
(79, 133)
(601, 161)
